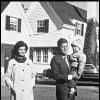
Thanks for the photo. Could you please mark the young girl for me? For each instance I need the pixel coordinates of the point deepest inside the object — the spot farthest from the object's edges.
(20, 74)
(77, 60)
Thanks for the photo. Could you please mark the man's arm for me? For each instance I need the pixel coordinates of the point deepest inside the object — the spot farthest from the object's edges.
(55, 67)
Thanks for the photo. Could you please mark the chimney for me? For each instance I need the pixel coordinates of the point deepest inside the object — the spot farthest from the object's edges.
(22, 5)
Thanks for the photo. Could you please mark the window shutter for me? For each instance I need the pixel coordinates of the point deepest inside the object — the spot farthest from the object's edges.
(19, 25)
(82, 28)
(46, 26)
(7, 22)
(31, 53)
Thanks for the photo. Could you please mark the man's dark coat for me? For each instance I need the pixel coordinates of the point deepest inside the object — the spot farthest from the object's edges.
(60, 70)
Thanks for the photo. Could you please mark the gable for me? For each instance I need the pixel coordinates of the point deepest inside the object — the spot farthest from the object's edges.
(9, 36)
(37, 12)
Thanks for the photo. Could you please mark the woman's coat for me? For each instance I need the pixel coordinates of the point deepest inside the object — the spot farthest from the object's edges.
(20, 78)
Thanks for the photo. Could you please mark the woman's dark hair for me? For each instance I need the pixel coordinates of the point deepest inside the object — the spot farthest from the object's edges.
(60, 41)
(16, 47)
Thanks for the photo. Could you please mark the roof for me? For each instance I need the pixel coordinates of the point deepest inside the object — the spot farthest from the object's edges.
(66, 11)
(62, 12)
(4, 4)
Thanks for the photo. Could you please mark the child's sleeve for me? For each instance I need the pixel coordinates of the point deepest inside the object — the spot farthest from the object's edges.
(82, 61)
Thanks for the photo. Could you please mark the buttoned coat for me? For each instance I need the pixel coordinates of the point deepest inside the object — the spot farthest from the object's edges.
(60, 70)
(20, 78)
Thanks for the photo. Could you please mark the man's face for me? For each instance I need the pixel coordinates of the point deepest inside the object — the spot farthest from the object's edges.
(64, 48)
(22, 51)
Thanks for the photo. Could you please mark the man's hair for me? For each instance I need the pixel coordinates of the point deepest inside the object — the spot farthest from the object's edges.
(60, 41)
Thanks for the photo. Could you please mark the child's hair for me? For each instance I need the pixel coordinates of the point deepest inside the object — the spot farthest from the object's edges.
(77, 43)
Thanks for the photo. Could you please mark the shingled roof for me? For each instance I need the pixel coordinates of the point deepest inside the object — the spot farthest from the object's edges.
(64, 12)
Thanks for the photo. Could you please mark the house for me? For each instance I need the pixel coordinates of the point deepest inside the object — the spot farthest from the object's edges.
(51, 21)
(14, 27)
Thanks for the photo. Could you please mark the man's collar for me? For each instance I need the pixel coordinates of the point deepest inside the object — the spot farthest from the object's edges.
(64, 56)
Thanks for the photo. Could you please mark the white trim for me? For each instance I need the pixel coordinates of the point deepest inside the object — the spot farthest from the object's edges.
(31, 8)
(70, 27)
(24, 17)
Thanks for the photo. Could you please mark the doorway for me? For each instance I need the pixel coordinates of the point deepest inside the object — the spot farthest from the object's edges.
(7, 57)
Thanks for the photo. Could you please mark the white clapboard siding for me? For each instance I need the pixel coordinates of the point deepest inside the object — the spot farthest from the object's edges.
(38, 13)
(14, 9)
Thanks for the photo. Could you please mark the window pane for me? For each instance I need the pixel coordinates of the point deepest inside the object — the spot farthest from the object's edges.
(13, 24)
(78, 29)
(45, 55)
(42, 26)
(38, 55)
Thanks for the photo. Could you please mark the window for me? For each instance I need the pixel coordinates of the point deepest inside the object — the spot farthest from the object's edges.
(13, 24)
(38, 55)
(45, 55)
(41, 55)
(42, 26)
(79, 29)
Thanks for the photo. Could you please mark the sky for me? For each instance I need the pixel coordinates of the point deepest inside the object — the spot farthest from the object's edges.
(80, 4)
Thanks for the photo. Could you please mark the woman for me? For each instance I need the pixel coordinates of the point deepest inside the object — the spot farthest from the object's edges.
(20, 74)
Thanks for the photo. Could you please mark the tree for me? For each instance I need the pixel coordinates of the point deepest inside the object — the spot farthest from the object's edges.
(90, 46)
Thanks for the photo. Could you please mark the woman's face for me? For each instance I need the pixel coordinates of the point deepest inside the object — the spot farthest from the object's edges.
(64, 48)
(22, 51)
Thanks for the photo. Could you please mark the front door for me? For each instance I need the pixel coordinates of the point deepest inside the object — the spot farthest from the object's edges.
(8, 54)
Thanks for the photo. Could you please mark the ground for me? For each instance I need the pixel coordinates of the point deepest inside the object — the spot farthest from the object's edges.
(47, 91)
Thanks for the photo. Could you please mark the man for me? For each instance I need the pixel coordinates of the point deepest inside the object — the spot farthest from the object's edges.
(61, 68)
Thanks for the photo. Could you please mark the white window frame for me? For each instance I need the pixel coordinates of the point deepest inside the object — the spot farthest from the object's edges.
(40, 24)
(40, 56)
(43, 26)
(79, 29)
(14, 24)
(45, 55)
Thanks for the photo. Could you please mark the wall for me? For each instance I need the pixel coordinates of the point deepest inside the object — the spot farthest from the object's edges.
(37, 12)
(11, 37)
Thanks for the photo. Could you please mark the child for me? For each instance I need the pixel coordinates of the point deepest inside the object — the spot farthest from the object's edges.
(77, 61)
